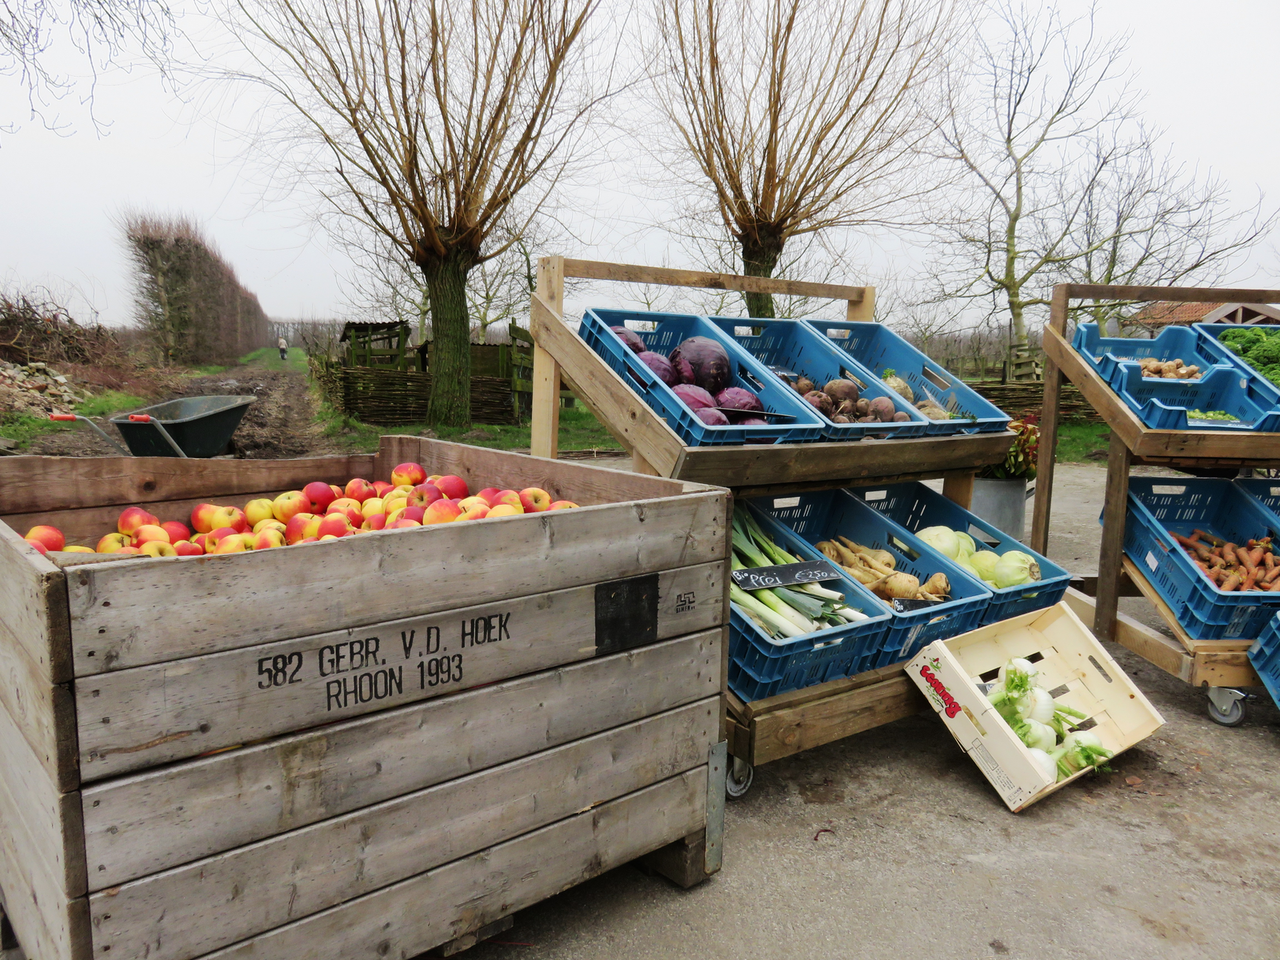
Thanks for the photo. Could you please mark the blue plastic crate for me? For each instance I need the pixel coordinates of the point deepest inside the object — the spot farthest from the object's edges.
(670, 330)
(1110, 355)
(1210, 334)
(793, 346)
(822, 516)
(1266, 492)
(915, 506)
(1158, 505)
(1265, 657)
(1166, 404)
(814, 658)
(878, 349)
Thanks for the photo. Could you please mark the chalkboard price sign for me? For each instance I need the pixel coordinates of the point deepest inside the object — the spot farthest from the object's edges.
(786, 575)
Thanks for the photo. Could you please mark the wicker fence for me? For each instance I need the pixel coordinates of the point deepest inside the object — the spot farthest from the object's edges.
(390, 398)
(1019, 399)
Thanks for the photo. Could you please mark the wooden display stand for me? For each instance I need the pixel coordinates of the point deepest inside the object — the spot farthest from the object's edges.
(791, 722)
(368, 747)
(1202, 663)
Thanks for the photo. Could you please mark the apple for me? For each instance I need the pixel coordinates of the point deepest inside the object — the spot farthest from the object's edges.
(534, 499)
(235, 543)
(478, 509)
(442, 511)
(112, 543)
(294, 529)
(408, 473)
(359, 489)
(377, 522)
(159, 548)
(371, 506)
(176, 530)
(268, 539)
(414, 513)
(131, 518)
(319, 495)
(505, 510)
(188, 548)
(562, 505)
(256, 510)
(289, 504)
(312, 529)
(468, 503)
(271, 523)
(380, 488)
(229, 517)
(202, 517)
(509, 497)
(40, 547)
(425, 494)
(77, 549)
(313, 539)
(353, 514)
(337, 490)
(488, 493)
(150, 533)
(455, 488)
(403, 524)
(335, 525)
(51, 537)
(128, 552)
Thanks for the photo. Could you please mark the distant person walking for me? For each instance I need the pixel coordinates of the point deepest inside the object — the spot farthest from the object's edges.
(283, 344)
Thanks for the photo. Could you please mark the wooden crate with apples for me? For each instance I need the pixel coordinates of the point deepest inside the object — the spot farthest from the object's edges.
(368, 747)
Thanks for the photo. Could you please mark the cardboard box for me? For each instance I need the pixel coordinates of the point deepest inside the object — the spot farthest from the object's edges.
(1072, 665)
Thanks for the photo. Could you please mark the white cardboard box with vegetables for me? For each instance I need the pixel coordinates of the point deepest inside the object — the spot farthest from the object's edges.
(1045, 672)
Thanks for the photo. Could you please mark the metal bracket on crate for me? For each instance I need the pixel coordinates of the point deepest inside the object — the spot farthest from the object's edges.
(717, 770)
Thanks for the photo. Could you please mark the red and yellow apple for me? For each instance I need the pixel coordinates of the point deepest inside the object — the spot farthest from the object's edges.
(562, 505)
(131, 518)
(77, 549)
(408, 473)
(202, 517)
(509, 497)
(475, 509)
(128, 552)
(442, 511)
(268, 539)
(259, 509)
(235, 543)
(534, 499)
(403, 523)
(176, 530)
(229, 517)
(159, 548)
(455, 488)
(425, 494)
(295, 529)
(377, 522)
(51, 537)
(380, 488)
(319, 495)
(371, 506)
(271, 523)
(334, 524)
(290, 504)
(505, 510)
(39, 546)
(112, 543)
(150, 533)
(188, 548)
(359, 489)
(345, 509)
(488, 493)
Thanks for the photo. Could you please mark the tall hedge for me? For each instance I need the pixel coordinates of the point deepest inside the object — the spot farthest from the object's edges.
(187, 297)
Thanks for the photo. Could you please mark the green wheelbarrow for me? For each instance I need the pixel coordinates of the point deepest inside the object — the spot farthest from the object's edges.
(194, 427)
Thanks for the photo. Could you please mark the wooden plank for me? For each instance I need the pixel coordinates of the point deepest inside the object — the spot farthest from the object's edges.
(670, 277)
(42, 713)
(1110, 557)
(1224, 670)
(139, 824)
(1049, 416)
(1193, 646)
(415, 915)
(133, 719)
(234, 601)
(47, 821)
(1101, 397)
(781, 733)
(33, 607)
(1157, 649)
(776, 489)
(821, 691)
(183, 913)
(864, 310)
(759, 465)
(42, 484)
(1098, 291)
(635, 425)
(959, 489)
(544, 430)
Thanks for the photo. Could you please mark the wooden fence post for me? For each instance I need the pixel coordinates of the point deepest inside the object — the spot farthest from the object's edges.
(544, 433)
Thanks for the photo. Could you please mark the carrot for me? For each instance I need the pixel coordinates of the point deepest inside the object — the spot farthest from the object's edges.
(1270, 560)
(1255, 556)
(1272, 575)
(1229, 553)
(1246, 561)
(1202, 535)
(1231, 583)
(1195, 536)
(1249, 581)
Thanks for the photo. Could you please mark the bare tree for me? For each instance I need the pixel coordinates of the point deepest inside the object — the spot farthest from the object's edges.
(432, 119)
(1060, 181)
(98, 29)
(798, 116)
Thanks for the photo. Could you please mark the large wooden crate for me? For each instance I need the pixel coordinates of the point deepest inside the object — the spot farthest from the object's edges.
(362, 748)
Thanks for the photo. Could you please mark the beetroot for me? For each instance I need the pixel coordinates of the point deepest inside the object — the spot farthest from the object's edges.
(739, 398)
(661, 366)
(712, 417)
(694, 397)
(708, 364)
(630, 338)
(820, 402)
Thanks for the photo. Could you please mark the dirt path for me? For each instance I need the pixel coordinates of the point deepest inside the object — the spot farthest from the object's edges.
(279, 424)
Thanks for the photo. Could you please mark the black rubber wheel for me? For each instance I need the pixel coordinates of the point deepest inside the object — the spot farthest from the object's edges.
(1233, 716)
(738, 779)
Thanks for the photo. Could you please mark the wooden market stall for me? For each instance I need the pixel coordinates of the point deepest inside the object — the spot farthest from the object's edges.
(361, 748)
(1218, 665)
(788, 723)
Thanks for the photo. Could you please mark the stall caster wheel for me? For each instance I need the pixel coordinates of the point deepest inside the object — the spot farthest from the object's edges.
(739, 778)
(1226, 706)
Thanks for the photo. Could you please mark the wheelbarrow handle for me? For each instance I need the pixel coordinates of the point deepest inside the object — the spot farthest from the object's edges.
(146, 418)
(63, 416)
(140, 417)
(102, 433)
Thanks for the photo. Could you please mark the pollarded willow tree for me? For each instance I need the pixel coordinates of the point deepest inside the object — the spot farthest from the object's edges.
(798, 116)
(437, 124)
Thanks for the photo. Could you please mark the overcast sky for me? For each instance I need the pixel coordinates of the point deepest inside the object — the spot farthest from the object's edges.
(1207, 70)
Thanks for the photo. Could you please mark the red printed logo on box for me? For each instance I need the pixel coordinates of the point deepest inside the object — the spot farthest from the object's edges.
(950, 707)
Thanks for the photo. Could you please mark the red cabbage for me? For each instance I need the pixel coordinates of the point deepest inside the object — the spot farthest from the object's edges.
(738, 398)
(630, 338)
(693, 397)
(661, 366)
(712, 417)
(707, 360)
(682, 367)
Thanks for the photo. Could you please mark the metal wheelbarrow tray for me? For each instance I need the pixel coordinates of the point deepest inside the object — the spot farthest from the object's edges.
(196, 427)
